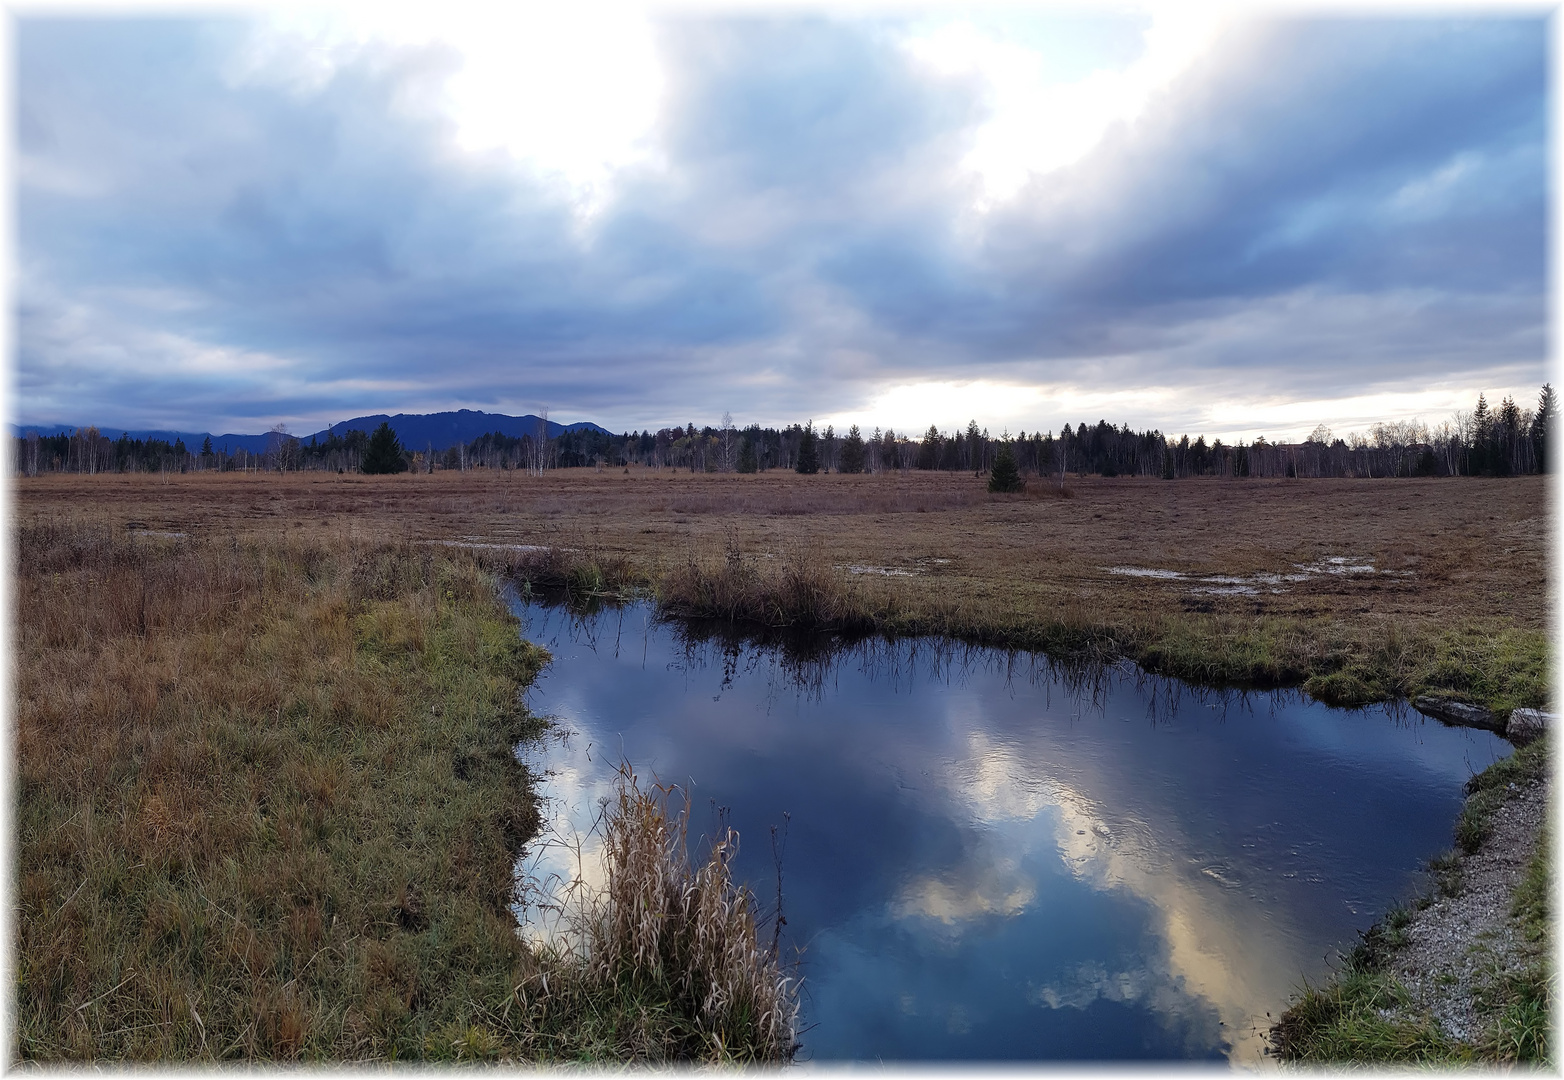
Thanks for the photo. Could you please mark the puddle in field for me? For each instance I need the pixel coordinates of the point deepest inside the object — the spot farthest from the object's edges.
(1254, 584)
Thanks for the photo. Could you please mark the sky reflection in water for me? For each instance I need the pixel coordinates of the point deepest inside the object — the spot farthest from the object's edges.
(991, 858)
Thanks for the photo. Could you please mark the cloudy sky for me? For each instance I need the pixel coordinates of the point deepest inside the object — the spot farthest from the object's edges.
(1021, 216)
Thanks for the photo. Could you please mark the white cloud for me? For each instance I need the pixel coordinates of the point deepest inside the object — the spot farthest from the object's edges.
(1039, 123)
(570, 93)
(910, 407)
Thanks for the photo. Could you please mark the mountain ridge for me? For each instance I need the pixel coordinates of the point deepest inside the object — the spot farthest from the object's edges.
(417, 431)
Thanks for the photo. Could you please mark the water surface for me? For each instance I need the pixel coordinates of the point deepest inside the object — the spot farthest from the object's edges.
(990, 858)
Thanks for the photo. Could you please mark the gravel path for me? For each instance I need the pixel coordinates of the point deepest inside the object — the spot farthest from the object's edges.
(1457, 943)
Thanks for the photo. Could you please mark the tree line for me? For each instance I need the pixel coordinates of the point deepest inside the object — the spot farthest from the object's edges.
(1485, 441)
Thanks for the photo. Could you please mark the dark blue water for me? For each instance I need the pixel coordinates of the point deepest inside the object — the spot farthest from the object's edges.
(988, 858)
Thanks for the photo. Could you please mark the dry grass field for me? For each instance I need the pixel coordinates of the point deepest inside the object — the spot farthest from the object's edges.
(1357, 589)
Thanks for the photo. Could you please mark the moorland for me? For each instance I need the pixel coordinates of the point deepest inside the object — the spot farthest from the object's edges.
(1355, 589)
(267, 804)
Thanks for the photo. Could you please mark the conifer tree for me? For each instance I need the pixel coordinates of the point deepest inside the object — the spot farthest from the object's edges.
(928, 450)
(384, 454)
(852, 451)
(1005, 476)
(1540, 425)
(1482, 432)
(747, 462)
(808, 455)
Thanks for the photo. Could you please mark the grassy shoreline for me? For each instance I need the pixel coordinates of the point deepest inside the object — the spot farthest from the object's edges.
(269, 809)
(1364, 1014)
(1486, 661)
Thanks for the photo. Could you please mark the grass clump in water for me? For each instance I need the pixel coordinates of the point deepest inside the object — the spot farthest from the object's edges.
(791, 590)
(664, 961)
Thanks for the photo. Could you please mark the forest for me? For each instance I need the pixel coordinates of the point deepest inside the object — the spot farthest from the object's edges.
(1486, 441)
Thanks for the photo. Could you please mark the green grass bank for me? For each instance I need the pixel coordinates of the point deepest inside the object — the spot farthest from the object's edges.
(1366, 1015)
(1481, 660)
(268, 810)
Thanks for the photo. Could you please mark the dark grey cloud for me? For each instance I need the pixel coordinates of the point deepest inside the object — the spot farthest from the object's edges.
(1287, 168)
(1314, 204)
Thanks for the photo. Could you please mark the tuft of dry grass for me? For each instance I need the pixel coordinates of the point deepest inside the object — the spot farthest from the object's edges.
(664, 961)
(789, 590)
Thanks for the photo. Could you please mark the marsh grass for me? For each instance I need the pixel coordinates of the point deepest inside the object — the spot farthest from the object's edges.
(1462, 611)
(1335, 663)
(267, 797)
(663, 961)
(791, 590)
(269, 809)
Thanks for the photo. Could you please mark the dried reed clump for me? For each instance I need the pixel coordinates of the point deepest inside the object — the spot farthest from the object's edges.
(791, 590)
(580, 564)
(669, 948)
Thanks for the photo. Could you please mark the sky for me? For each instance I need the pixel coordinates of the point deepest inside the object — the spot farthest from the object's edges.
(1168, 217)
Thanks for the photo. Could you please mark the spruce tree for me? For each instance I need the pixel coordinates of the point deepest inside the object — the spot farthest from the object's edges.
(852, 451)
(747, 462)
(384, 453)
(808, 455)
(1005, 476)
(928, 450)
(1540, 425)
(1482, 432)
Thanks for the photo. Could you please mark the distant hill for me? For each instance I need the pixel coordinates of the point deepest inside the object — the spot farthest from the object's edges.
(442, 429)
(418, 431)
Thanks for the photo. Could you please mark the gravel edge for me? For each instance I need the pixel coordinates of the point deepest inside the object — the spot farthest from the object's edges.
(1457, 944)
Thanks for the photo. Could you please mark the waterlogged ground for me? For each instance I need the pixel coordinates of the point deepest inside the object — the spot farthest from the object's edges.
(989, 858)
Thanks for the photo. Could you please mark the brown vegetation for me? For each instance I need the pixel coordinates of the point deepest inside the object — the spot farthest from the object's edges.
(1457, 601)
(265, 792)
(671, 944)
(268, 808)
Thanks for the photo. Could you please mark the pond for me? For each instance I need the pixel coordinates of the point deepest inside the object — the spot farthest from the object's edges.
(988, 856)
